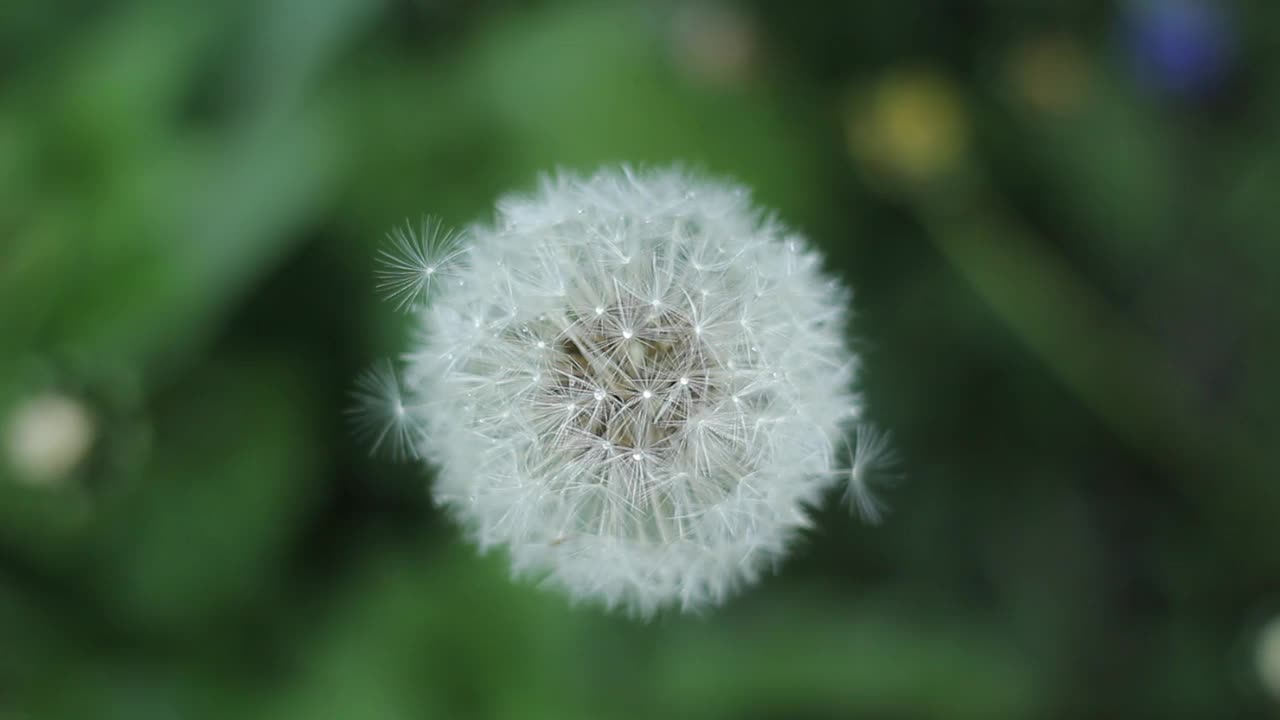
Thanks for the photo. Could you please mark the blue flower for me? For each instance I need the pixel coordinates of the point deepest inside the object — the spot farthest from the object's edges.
(1183, 48)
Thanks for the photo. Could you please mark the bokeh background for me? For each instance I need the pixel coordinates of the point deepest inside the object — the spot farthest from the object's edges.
(1060, 219)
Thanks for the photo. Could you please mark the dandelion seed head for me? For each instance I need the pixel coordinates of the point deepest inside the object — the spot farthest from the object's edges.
(691, 383)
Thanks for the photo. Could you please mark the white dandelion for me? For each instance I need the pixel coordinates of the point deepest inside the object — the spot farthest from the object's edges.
(636, 383)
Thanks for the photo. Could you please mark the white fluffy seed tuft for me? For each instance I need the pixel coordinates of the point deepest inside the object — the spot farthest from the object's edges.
(636, 383)
(415, 261)
(872, 457)
(382, 414)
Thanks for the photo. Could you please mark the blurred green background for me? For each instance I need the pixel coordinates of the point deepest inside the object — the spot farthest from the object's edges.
(1060, 219)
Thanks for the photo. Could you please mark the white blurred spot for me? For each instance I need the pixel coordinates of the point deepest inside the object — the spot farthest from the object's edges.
(1268, 657)
(47, 437)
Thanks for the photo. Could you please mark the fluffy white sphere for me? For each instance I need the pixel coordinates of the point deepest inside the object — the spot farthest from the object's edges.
(634, 382)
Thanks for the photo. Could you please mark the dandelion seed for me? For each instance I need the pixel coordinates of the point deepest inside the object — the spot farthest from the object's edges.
(415, 260)
(872, 458)
(381, 413)
(664, 443)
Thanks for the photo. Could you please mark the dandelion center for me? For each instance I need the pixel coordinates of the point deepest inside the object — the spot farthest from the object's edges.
(590, 360)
